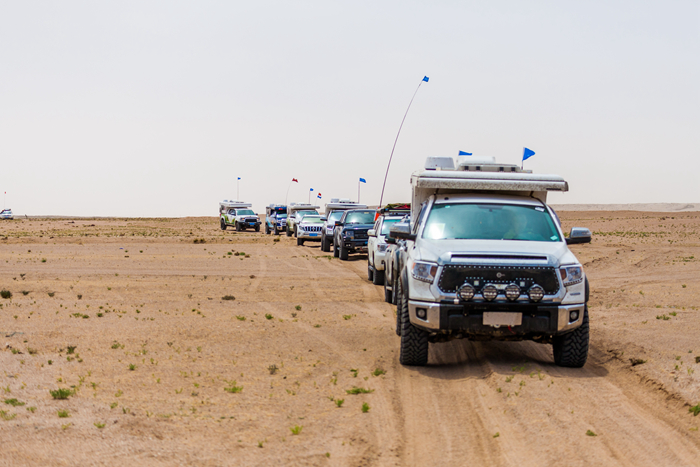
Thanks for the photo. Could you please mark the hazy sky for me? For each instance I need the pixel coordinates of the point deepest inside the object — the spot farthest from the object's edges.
(149, 108)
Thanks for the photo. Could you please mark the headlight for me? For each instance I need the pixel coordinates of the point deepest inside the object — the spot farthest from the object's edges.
(381, 248)
(571, 275)
(536, 293)
(349, 234)
(512, 292)
(466, 292)
(423, 271)
(489, 292)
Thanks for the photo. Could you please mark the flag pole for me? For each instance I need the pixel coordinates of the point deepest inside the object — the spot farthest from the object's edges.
(381, 198)
(358, 191)
(238, 185)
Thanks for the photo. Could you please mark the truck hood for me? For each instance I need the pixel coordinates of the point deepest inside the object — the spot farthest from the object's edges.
(506, 252)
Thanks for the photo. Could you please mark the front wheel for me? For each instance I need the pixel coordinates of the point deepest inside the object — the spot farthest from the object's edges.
(388, 299)
(289, 232)
(336, 251)
(267, 229)
(223, 224)
(414, 341)
(257, 228)
(300, 241)
(238, 227)
(370, 272)
(571, 349)
(343, 253)
(325, 244)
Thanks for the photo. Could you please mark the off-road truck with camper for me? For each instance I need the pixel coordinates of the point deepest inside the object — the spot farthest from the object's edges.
(486, 259)
(377, 247)
(275, 218)
(238, 214)
(295, 212)
(350, 233)
(333, 213)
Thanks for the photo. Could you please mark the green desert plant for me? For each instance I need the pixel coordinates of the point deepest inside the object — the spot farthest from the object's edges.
(5, 293)
(228, 297)
(63, 414)
(13, 402)
(356, 390)
(61, 393)
(232, 388)
(296, 429)
(365, 407)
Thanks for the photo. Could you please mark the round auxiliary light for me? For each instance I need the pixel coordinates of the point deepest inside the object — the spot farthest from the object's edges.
(466, 292)
(489, 292)
(512, 292)
(536, 293)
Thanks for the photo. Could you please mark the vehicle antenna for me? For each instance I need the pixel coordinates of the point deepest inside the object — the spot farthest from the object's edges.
(381, 198)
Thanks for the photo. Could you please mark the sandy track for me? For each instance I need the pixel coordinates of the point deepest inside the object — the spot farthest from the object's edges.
(327, 330)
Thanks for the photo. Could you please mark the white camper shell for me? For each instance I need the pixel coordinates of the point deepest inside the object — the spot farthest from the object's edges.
(479, 175)
(238, 214)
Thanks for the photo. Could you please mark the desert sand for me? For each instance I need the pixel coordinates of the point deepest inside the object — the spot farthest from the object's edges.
(129, 317)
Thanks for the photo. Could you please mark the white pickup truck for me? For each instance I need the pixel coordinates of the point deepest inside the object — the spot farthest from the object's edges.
(238, 214)
(486, 259)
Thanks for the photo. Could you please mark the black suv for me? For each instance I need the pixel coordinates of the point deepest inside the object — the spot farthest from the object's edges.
(350, 234)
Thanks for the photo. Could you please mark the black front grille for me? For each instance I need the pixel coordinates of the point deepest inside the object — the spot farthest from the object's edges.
(453, 276)
(359, 235)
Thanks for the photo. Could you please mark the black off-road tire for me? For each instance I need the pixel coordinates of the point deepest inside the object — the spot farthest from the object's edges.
(370, 272)
(414, 341)
(388, 298)
(394, 292)
(257, 228)
(289, 232)
(343, 253)
(300, 241)
(571, 349)
(378, 278)
(223, 224)
(336, 251)
(267, 229)
(325, 244)
(238, 226)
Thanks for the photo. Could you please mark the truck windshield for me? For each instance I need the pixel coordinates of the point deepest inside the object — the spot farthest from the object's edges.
(335, 216)
(472, 221)
(301, 214)
(360, 218)
(386, 225)
(246, 212)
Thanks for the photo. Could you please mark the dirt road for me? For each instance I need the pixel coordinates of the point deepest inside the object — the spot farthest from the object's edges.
(185, 345)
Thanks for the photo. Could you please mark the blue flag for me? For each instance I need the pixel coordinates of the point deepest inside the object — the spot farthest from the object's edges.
(527, 153)
(311, 189)
(462, 153)
(239, 178)
(363, 180)
(425, 78)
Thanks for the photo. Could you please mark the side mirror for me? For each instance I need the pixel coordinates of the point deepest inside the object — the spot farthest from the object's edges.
(324, 219)
(338, 224)
(403, 231)
(372, 233)
(579, 235)
(390, 240)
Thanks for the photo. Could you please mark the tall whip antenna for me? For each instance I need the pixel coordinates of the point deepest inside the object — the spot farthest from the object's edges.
(381, 198)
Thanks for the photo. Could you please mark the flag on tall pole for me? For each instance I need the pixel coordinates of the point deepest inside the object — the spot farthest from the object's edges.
(362, 180)
(462, 153)
(381, 197)
(238, 182)
(294, 180)
(310, 190)
(318, 196)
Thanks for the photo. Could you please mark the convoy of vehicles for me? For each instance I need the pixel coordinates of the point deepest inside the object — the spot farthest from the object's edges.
(295, 212)
(350, 233)
(275, 218)
(478, 254)
(238, 215)
(485, 259)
